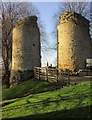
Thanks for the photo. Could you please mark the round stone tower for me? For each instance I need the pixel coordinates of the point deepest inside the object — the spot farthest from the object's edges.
(73, 41)
(26, 52)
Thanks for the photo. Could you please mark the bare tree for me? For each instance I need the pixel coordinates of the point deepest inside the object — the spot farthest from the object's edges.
(11, 12)
(82, 8)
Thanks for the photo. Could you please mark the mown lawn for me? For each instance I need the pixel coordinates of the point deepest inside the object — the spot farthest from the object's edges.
(68, 102)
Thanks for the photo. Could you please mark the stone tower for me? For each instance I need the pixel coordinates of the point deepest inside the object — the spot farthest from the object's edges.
(73, 41)
(26, 52)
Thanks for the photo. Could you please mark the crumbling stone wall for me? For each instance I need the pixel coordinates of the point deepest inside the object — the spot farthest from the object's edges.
(91, 49)
(25, 49)
(73, 41)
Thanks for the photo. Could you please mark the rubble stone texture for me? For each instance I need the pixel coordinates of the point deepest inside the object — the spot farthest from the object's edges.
(73, 41)
(26, 52)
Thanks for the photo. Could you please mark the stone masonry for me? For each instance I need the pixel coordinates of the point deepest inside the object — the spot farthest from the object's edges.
(74, 43)
(26, 52)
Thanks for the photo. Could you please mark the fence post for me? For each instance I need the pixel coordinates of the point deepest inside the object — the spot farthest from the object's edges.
(39, 73)
(69, 76)
(35, 72)
(47, 74)
(57, 75)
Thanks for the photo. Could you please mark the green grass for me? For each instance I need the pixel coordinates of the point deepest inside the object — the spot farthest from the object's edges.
(68, 102)
(32, 86)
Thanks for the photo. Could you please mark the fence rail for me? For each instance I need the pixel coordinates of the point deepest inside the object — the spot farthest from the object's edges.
(52, 75)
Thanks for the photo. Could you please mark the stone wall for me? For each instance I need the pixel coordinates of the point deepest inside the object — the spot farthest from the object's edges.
(91, 49)
(25, 49)
(73, 41)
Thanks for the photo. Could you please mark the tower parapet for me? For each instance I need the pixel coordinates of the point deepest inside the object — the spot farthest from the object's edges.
(74, 17)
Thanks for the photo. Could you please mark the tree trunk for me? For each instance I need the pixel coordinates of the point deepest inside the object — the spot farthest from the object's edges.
(6, 73)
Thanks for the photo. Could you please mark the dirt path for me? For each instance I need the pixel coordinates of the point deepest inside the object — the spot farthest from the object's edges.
(81, 78)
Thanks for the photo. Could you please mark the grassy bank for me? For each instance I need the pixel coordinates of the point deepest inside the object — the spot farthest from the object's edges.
(68, 102)
(32, 86)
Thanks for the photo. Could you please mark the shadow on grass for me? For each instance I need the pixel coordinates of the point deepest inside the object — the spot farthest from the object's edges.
(79, 113)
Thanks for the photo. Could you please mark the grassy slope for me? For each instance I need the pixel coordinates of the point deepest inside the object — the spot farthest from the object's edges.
(28, 87)
(68, 102)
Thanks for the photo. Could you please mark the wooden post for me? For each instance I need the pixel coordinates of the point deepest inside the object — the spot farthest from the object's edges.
(68, 76)
(39, 73)
(47, 74)
(35, 72)
(57, 75)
